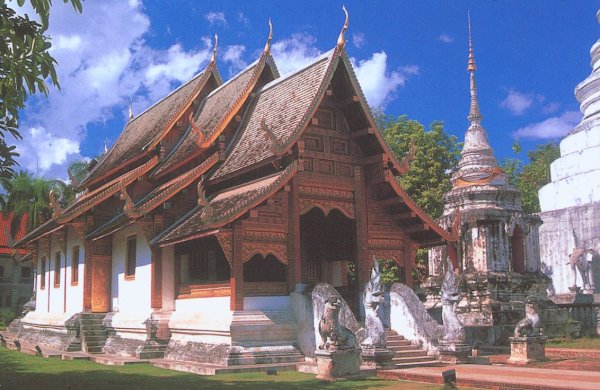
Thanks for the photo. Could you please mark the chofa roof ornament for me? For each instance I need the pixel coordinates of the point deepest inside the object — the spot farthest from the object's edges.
(341, 42)
(267, 50)
(213, 59)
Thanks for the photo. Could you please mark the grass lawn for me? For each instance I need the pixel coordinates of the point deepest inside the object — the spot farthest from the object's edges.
(584, 342)
(20, 371)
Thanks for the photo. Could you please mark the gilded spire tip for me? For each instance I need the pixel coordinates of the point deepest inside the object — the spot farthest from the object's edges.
(213, 59)
(267, 50)
(471, 65)
(341, 42)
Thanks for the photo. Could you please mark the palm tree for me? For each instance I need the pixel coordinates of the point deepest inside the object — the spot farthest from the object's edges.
(29, 195)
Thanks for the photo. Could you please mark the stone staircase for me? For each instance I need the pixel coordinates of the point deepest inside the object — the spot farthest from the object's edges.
(93, 333)
(407, 354)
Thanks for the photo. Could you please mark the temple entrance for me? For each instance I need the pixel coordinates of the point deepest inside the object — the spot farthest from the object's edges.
(101, 275)
(328, 252)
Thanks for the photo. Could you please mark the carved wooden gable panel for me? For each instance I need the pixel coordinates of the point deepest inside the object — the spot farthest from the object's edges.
(327, 199)
(328, 148)
(265, 243)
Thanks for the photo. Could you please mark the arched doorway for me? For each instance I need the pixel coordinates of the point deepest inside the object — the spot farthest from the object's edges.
(328, 252)
(518, 252)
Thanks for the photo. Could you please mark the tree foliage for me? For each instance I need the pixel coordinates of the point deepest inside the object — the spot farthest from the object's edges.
(25, 67)
(29, 195)
(436, 155)
(530, 177)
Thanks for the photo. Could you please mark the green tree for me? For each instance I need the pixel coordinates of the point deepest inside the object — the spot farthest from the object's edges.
(25, 67)
(530, 177)
(29, 195)
(436, 155)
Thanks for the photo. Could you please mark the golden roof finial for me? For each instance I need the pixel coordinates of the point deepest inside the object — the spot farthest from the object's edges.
(213, 59)
(130, 108)
(471, 66)
(268, 44)
(341, 42)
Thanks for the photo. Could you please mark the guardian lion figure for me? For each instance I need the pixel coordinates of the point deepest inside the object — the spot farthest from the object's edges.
(333, 335)
(531, 324)
(581, 259)
(372, 299)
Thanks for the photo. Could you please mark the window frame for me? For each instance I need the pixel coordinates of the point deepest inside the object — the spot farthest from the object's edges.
(57, 267)
(43, 273)
(130, 259)
(75, 266)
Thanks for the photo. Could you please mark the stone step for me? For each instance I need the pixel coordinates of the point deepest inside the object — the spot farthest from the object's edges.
(90, 339)
(112, 360)
(410, 353)
(401, 348)
(94, 349)
(391, 343)
(413, 359)
(424, 363)
(213, 369)
(265, 359)
(75, 356)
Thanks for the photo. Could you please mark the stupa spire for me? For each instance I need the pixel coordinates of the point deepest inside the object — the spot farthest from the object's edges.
(474, 113)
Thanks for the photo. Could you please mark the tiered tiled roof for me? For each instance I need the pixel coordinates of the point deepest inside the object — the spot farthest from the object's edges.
(5, 233)
(226, 206)
(284, 106)
(150, 125)
(215, 112)
(159, 195)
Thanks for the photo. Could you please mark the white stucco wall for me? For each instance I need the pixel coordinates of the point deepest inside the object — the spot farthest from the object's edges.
(272, 303)
(74, 292)
(206, 320)
(131, 297)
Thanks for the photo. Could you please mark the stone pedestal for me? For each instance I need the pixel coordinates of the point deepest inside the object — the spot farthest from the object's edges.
(454, 353)
(527, 349)
(338, 364)
(377, 357)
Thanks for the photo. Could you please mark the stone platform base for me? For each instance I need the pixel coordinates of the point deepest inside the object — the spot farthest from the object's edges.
(453, 353)
(379, 358)
(336, 365)
(524, 350)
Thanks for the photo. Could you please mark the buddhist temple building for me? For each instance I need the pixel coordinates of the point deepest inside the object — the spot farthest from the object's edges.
(570, 203)
(16, 272)
(497, 252)
(214, 205)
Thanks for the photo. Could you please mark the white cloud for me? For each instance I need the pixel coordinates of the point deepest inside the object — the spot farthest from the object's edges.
(378, 83)
(216, 18)
(551, 128)
(358, 39)
(233, 55)
(180, 65)
(445, 38)
(295, 52)
(518, 102)
(243, 19)
(550, 108)
(49, 149)
(103, 60)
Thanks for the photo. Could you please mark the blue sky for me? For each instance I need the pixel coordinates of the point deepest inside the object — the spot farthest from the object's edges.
(410, 57)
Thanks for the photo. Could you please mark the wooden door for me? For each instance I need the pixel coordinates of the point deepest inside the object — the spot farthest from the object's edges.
(101, 281)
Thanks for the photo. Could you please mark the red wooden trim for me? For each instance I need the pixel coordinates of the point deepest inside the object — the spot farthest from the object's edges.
(237, 272)
(156, 278)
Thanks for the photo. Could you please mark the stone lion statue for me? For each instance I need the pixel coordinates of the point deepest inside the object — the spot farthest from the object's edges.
(333, 335)
(531, 324)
